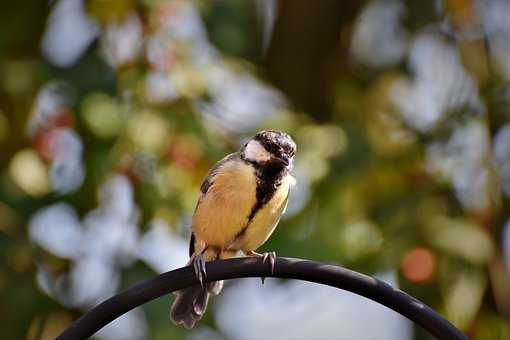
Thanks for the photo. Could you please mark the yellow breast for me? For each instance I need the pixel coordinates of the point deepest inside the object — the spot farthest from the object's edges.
(267, 218)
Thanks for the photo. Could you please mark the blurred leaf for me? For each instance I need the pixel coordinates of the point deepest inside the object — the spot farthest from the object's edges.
(474, 244)
(463, 293)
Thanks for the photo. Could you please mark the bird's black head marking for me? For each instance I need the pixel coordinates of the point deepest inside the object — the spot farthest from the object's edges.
(271, 152)
(279, 144)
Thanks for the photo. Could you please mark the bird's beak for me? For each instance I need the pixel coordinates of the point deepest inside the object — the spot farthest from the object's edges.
(283, 160)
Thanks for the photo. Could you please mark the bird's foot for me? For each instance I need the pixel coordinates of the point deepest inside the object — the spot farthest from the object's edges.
(269, 257)
(199, 268)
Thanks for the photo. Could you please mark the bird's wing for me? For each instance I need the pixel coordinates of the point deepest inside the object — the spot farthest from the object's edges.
(207, 182)
(227, 198)
(209, 179)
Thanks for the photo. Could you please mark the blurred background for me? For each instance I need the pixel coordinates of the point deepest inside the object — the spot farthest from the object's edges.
(111, 113)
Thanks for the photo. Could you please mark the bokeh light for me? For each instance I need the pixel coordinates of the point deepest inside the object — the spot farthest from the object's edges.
(419, 265)
(29, 173)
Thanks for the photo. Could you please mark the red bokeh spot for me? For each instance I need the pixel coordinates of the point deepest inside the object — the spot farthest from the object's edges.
(184, 154)
(64, 118)
(45, 141)
(45, 144)
(419, 265)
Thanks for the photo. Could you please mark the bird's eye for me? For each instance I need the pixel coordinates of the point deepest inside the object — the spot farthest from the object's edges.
(271, 148)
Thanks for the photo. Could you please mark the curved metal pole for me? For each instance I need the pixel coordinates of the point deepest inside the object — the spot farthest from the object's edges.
(288, 268)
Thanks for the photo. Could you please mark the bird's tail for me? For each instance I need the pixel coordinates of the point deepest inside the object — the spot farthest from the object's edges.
(190, 304)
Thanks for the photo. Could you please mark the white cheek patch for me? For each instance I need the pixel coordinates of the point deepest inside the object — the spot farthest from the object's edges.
(254, 151)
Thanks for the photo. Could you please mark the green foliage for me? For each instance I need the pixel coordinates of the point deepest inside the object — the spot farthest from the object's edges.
(402, 163)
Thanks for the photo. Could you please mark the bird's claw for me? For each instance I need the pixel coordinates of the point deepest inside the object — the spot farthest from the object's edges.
(266, 257)
(199, 268)
(271, 258)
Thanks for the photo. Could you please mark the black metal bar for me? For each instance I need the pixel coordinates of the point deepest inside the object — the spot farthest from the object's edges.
(288, 268)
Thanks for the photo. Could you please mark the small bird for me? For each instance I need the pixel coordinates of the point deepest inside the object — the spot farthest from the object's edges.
(241, 201)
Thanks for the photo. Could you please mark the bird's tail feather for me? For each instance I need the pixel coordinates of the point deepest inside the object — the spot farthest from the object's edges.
(190, 303)
(189, 306)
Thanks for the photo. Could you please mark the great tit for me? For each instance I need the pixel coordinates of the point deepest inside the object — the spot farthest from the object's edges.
(241, 201)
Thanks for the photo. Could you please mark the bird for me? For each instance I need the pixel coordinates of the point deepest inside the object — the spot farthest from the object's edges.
(240, 204)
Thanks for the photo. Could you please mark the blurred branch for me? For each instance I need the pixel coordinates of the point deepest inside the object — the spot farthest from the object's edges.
(288, 268)
(23, 25)
(308, 49)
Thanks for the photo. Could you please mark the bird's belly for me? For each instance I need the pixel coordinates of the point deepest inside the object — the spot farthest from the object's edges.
(258, 232)
(266, 219)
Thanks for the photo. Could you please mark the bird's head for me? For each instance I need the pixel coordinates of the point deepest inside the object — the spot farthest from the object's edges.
(270, 148)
